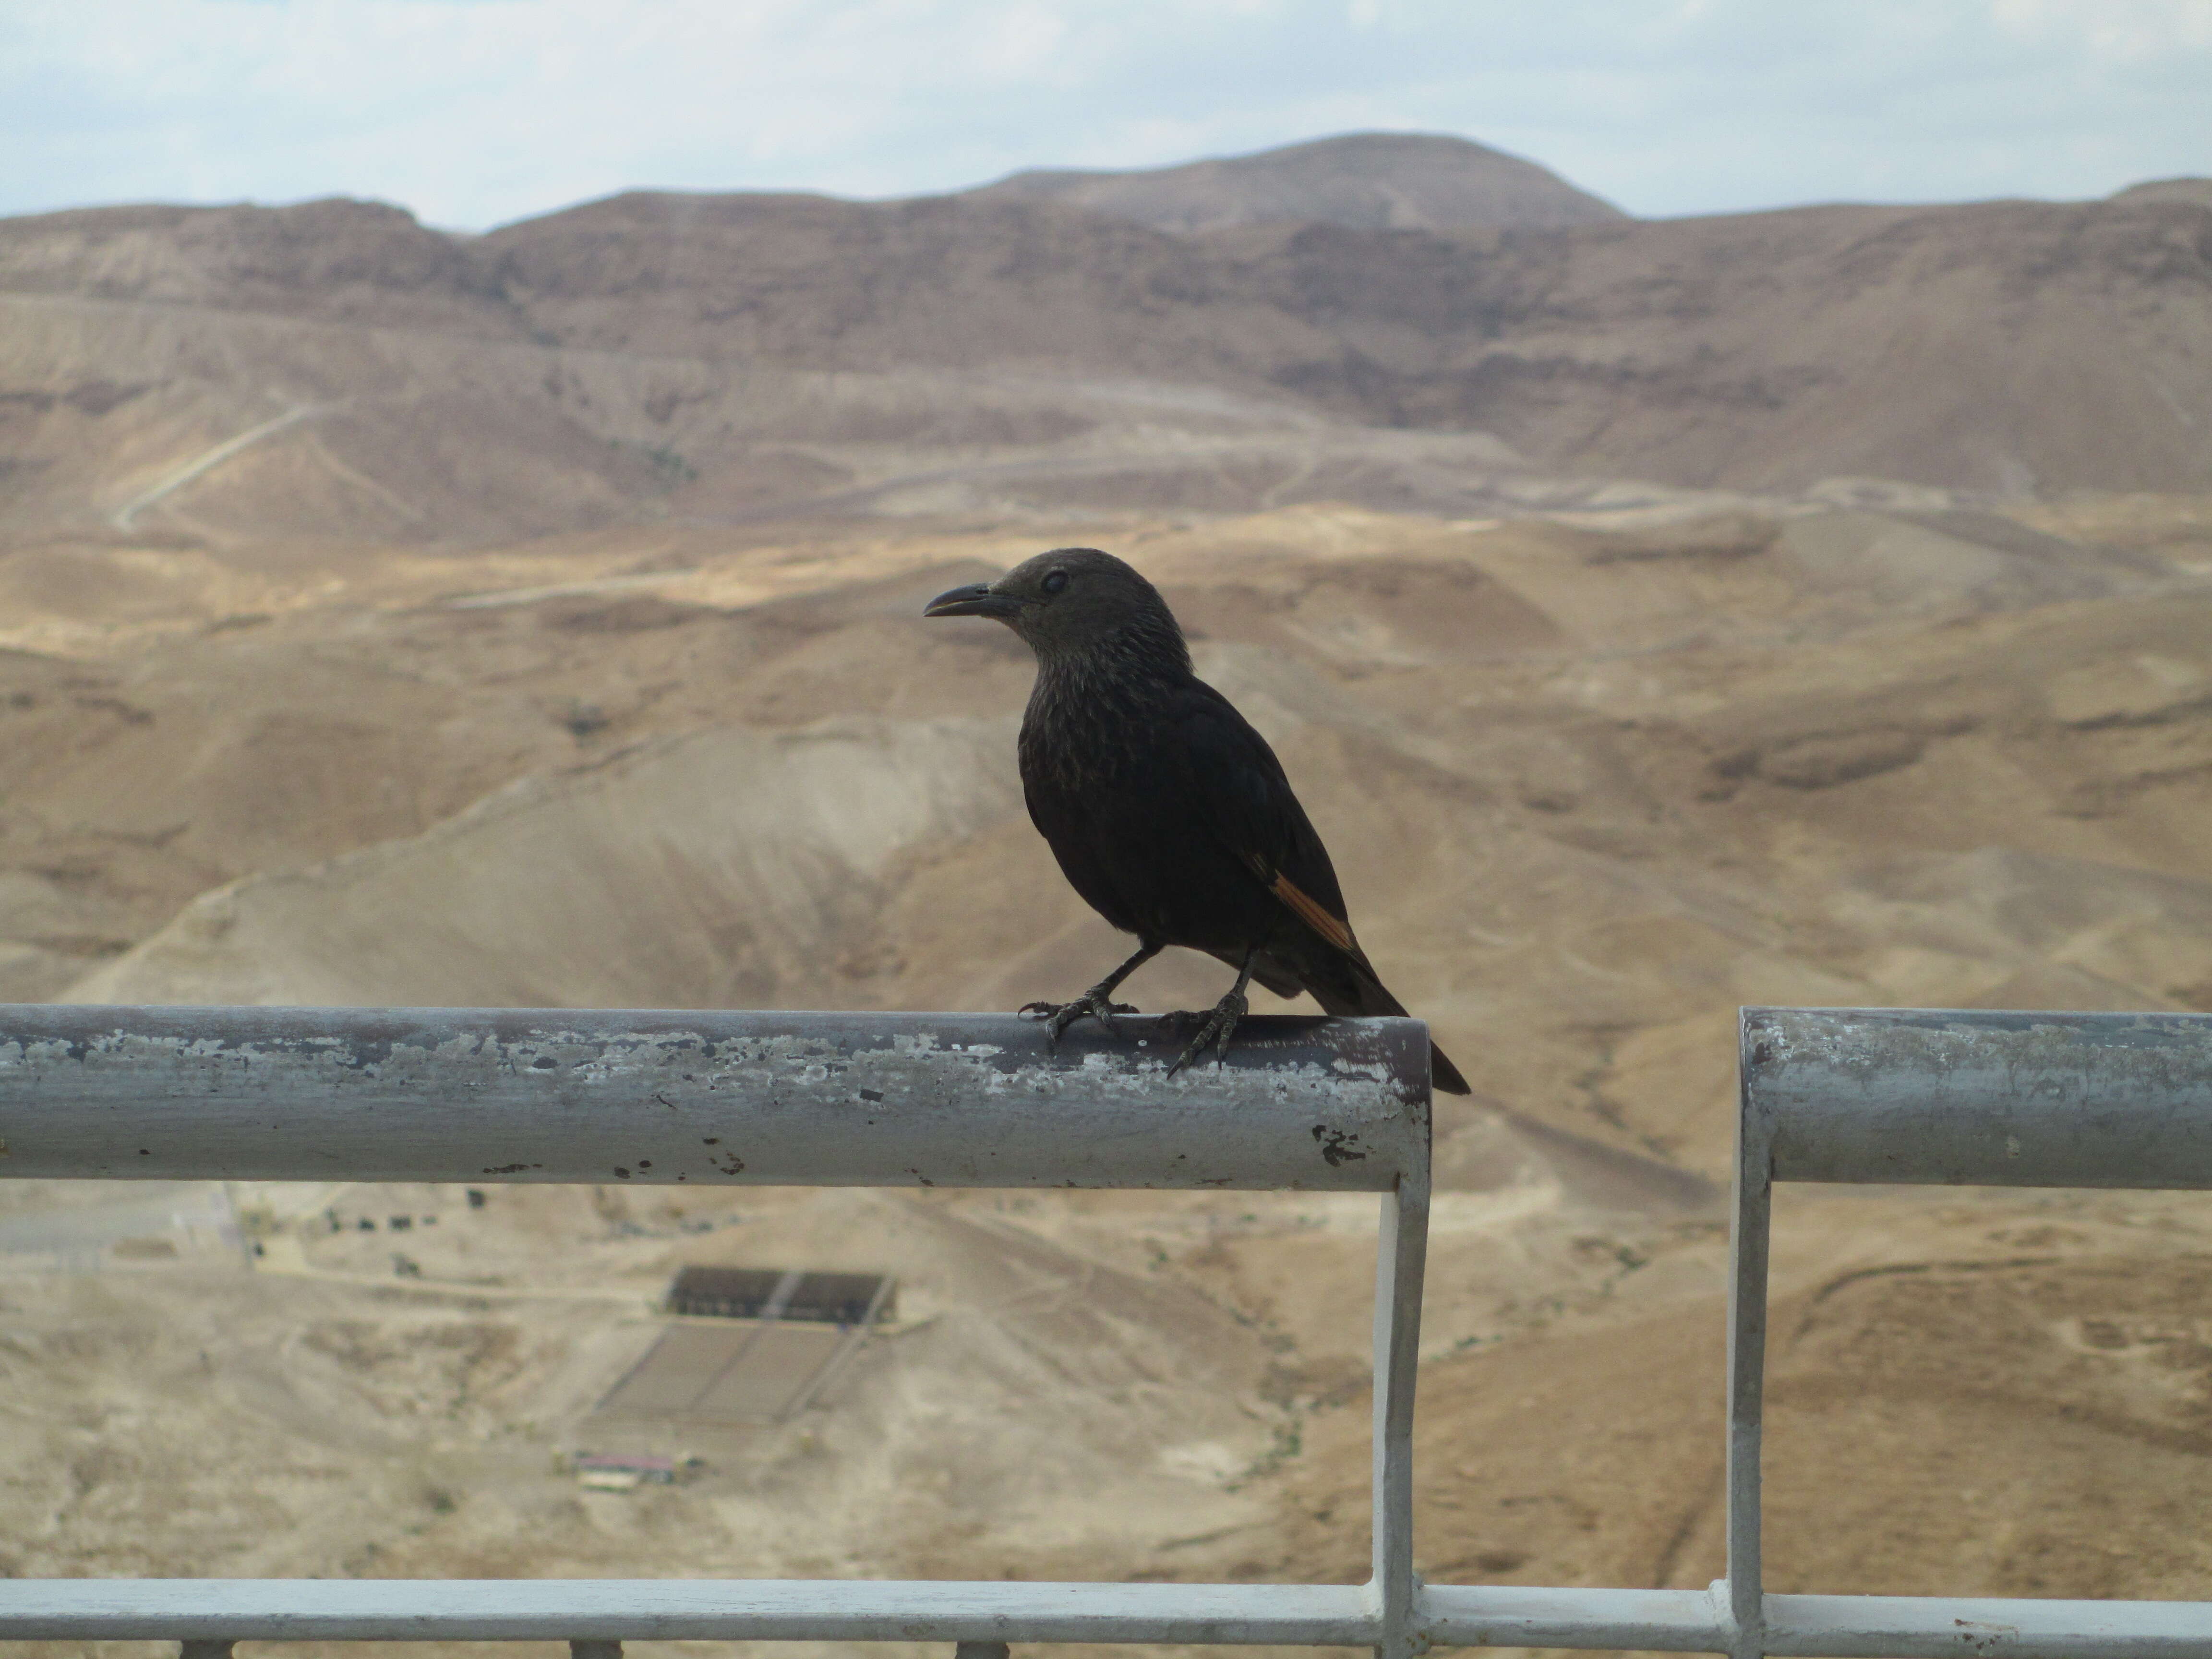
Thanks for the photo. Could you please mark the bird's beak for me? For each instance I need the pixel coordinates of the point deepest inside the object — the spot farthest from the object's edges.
(975, 601)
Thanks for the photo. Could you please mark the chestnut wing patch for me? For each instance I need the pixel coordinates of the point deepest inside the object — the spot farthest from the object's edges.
(1237, 789)
(1330, 927)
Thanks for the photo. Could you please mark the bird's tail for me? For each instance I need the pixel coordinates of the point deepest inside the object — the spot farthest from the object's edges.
(1360, 995)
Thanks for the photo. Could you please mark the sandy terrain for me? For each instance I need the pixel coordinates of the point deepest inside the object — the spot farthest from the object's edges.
(373, 628)
(1594, 777)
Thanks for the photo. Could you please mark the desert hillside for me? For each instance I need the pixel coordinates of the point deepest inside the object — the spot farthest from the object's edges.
(394, 618)
(337, 369)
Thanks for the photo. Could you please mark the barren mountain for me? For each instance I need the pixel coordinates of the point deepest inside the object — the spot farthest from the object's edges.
(1362, 180)
(335, 369)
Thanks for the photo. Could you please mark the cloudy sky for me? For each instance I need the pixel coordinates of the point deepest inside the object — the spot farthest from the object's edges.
(474, 113)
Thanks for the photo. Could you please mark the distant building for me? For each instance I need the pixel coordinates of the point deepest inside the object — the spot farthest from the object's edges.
(766, 1293)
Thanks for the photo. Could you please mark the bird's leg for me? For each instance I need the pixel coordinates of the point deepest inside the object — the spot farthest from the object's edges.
(1097, 1001)
(1221, 1022)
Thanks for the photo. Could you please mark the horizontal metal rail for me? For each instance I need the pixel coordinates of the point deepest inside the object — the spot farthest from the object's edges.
(780, 1610)
(760, 1610)
(1978, 1099)
(759, 1099)
(970, 1100)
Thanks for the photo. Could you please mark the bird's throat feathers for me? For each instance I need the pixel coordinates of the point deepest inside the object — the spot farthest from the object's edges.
(1144, 652)
(1094, 704)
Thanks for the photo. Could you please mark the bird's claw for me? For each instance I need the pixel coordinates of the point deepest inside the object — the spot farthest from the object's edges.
(1059, 1016)
(1220, 1024)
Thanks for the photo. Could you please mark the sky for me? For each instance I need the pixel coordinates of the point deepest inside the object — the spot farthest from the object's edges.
(477, 112)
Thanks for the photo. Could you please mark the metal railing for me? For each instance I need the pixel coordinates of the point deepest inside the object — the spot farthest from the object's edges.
(479, 1096)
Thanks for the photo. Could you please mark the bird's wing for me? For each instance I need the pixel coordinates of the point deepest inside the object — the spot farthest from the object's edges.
(1240, 792)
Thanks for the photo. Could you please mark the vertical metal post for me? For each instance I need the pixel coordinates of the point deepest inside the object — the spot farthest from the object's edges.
(1401, 1260)
(592, 1648)
(201, 1647)
(979, 1650)
(1747, 1248)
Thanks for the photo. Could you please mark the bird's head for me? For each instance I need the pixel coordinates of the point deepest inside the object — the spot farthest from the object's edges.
(1069, 601)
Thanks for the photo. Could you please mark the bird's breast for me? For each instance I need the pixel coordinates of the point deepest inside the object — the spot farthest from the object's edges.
(1084, 733)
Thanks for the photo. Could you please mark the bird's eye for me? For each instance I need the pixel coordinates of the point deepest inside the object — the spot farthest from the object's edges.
(1054, 581)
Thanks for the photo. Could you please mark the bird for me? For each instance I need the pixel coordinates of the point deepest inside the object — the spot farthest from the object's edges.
(1166, 810)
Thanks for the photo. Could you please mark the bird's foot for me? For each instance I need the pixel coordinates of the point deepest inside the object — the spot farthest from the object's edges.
(1220, 1024)
(1059, 1016)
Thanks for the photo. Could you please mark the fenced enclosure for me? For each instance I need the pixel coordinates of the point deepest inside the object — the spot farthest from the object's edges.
(479, 1095)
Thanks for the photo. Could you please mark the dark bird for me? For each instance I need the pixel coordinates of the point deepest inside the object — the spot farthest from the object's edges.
(1167, 813)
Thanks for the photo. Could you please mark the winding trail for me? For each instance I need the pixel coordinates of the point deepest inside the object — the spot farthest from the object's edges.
(208, 461)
